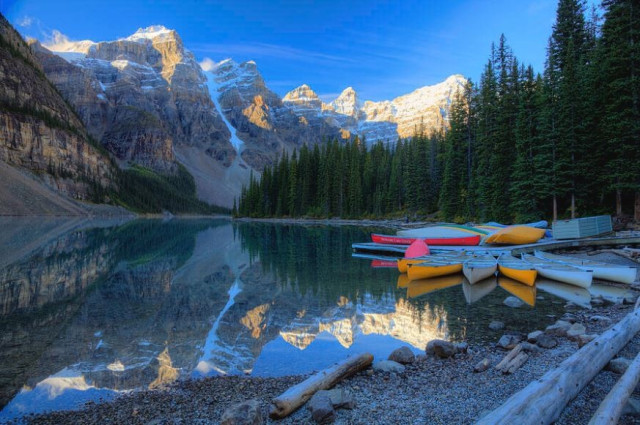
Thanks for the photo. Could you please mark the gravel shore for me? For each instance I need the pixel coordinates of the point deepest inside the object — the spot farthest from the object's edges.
(431, 390)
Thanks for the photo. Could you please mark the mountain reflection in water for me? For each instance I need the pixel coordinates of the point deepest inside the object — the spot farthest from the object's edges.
(91, 309)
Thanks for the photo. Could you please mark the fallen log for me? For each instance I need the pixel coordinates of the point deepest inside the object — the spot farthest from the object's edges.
(612, 406)
(503, 366)
(542, 401)
(516, 363)
(296, 396)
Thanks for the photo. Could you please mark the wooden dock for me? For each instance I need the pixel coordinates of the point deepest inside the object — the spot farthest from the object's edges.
(373, 248)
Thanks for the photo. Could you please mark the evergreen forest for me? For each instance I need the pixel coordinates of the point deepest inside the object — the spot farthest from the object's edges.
(521, 145)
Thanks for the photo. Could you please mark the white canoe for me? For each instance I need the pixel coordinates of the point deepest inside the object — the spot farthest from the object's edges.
(601, 270)
(560, 272)
(479, 268)
(575, 294)
(473, 293)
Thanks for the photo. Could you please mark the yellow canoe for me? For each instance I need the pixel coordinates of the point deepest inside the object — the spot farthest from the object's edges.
(517, 289)
(428, 269)
(403, 263)
(517, 269)
(403, 280)
(425, 286)
(515, 235)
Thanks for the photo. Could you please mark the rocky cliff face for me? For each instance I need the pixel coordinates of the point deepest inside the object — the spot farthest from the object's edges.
(38, 131)
(262, 125)
(140, 96)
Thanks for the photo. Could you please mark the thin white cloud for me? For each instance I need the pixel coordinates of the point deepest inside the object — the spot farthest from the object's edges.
(58, 42)
(260, 50)
(207, 64)
(25, 21)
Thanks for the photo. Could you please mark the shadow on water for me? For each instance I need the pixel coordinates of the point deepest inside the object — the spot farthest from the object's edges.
(88, 310)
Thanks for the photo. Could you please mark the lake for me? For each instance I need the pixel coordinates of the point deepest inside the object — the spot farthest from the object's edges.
(91, 309)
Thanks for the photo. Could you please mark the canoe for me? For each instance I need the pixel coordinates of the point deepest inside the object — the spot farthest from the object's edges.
(434, 268)
(517, 269)
(542, 224)
(403, 280)
(420, 287)
(575, 294)
(604, 271)
(399, 240)
(473, 293)
(525, 292)
(560, 272)
(383, 264)
(515, 235)
(444, 231)
(403, 263)
(479, 268)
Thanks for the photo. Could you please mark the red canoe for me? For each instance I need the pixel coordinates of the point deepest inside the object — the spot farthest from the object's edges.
(399, 240)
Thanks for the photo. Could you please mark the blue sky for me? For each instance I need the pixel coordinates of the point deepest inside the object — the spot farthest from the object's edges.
(382, 49)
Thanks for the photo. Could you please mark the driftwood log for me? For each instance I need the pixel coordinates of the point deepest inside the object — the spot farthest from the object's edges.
(542, 401)
(612, 406)
(296, 396)
(512, 361)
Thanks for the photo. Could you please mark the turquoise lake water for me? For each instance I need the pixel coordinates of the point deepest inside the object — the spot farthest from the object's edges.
(89, 309)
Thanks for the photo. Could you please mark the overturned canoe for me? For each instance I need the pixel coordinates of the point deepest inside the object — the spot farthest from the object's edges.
(479, 268)
(515, 235)
(604, 271)
(444, 241)
(443, 231)
(560, 272)
(517, 269)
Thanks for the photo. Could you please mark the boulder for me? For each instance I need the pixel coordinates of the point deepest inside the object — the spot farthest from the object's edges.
(388, 366)
(509, 341)
(321, 408)
(533, 336)
(340, 398)
(482, 365)
(559, 328)
(402, 355)
(245, 413)
(546, 341)
(531, 348)
(496, 325)
(618, 365)
(576, 330)
(513, 302)
(441, 348)
(462, 347)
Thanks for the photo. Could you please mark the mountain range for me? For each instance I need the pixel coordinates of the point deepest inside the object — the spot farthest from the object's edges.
(147, 101)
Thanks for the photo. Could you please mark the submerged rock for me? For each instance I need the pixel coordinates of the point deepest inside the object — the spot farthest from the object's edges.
(513, 302)
(509, 341)
(441, 348)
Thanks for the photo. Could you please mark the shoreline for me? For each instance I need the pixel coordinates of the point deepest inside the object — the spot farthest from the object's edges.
(429, 390)
(449, 391)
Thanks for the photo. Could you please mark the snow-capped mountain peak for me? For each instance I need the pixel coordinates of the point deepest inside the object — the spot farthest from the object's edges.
(347, 103)
(153, 32)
